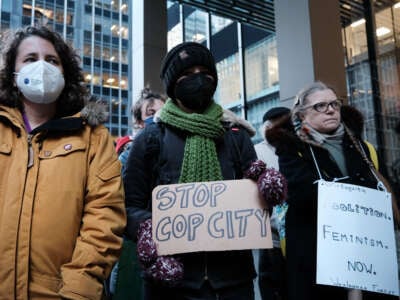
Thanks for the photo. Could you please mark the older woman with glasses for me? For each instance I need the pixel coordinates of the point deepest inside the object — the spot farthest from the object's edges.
(322, 138)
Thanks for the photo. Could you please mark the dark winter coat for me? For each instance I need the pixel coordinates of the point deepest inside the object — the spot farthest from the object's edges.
(155, 159)
(296, 163)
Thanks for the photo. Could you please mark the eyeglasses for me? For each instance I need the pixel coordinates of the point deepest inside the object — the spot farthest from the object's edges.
(322, 107)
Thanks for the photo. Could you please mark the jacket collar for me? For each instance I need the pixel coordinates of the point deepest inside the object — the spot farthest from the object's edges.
(93, 114)
(232, 119)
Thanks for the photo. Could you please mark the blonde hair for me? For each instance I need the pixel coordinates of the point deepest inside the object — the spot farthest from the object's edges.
(302, 97)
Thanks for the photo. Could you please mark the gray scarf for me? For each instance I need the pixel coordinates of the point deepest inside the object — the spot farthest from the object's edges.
(333, 143)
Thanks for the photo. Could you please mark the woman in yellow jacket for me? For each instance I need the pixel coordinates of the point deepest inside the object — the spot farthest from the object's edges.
(61, 199)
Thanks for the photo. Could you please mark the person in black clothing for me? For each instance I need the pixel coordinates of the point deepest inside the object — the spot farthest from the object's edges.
(163, 154)
(321, 140)
(271, 262)
(125, 279)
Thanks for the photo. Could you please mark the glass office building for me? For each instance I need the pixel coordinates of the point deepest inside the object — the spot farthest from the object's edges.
(99, 31)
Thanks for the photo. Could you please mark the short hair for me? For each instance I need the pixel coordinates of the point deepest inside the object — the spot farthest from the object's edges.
(146, 95)
(74, 94)
(275, 113)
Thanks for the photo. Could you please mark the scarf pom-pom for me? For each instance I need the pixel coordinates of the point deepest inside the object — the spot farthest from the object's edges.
(167, 270)
(146, 247)
(256, 169)
(272, 186)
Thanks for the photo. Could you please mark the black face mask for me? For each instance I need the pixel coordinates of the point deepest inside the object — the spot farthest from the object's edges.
(195, 91)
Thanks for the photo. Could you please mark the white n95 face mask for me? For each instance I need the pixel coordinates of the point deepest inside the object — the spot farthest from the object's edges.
(40, 82)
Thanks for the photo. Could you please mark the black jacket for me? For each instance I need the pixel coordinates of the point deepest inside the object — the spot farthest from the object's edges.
(156, 158)
(297, 165)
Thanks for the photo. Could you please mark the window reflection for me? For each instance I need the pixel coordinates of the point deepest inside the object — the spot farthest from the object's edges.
(195, 26)
(45, 15)
(228, 91)
(359, 76)
(106, 80)
(175, 36)
(107, 54)
(219, 23)
(261, 68)
(115, 5)
(356, 41)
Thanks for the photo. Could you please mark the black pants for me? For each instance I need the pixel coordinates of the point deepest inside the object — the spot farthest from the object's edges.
(244, 291)
(271, 274)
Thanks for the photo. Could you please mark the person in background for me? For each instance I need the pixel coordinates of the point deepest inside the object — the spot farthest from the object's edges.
(146, 106)
(122, 144)
(125, 280)
(190, 135)
(143, 112)
(61, 194)
(323, 135)
(126, 267)
(264, 150)
(122, 147)
(271, 266)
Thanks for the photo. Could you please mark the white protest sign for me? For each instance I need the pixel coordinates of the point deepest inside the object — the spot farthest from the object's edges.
(356, 244)
(209, 216)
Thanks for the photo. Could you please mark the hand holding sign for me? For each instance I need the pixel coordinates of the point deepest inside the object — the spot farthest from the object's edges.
(165, 269)
(271, 183)
(210, 216)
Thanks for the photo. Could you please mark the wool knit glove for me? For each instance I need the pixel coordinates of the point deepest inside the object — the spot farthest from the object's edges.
(271, 184)
(167, 270)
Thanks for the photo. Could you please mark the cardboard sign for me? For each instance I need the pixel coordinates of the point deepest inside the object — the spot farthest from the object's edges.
(210, 216)
(356, 243)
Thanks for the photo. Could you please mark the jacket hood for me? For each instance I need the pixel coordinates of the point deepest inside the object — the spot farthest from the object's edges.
(232, 119)
(353, 119)
(95, 113)
(283, 135)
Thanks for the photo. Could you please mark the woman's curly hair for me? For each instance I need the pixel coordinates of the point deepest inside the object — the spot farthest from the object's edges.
(146, 95)
(74, 94)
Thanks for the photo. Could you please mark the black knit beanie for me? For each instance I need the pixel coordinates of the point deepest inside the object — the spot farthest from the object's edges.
(275, 113)
(182, 57)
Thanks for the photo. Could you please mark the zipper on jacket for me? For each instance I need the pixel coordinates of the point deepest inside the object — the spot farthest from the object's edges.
(30, 151)
(205, 266)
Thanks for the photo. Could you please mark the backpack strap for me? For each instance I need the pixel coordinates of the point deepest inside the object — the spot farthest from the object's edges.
(153, 149)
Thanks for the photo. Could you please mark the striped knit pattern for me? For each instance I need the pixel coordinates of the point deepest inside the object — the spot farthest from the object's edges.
(200, 161)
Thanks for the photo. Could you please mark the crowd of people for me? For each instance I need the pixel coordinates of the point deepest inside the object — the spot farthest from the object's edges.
(76, 205)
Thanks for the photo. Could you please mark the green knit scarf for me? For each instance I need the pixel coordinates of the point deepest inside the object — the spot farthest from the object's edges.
(200, 161)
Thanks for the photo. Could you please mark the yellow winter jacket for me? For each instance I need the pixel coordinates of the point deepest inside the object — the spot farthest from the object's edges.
(61, 208)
